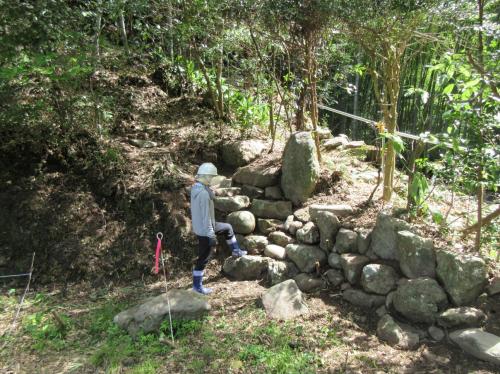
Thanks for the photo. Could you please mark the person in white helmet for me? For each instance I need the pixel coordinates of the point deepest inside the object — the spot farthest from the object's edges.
(204, 225)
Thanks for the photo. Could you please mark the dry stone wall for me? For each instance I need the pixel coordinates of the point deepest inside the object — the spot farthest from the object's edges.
(390, 267)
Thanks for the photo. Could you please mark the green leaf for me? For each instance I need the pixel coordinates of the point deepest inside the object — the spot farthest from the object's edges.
(449, 88)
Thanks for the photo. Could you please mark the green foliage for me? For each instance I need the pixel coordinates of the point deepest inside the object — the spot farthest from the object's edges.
(47, 331)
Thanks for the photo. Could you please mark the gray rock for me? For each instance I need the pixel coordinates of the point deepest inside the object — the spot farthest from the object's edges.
(346, 241)
(280, 238)
(275, 251)
(328, 225)
(273, 193)
(271, 209)
(241, 153)
(246, 267)
(362, 299)
(353, 266)
(308, 234)
(436, 333)
(324, 133)
(284, 301)
(363, 241)
(288, 222)
(254, 244)
(494, 286)
(221, 181)
(355, 144)
(279, 271)
(334, 260)
(300, 167)
(389, 301)
(383, 242)
(340, 210)
(243, 222)
(294, 227)
(478, 343)
(390, 331)
(309, 283)
(334, 277)
(257, 175)
(266, 226)
(228, 191)
(149, 315)
(140, 143)
(305, 256)
(416, 255)
(335, 143)
(231, 204)
(302, 214)
(252, 192)
(462, 316)
(420, 300)
(379, 279)
(381, 311)
(463, 276)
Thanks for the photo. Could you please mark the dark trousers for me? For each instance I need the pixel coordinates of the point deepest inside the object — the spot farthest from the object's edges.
(204, 247)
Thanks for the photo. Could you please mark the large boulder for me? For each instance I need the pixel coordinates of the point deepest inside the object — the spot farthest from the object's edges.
(252, 192)
(363, 241)
(328, 225)
(383, 238)
(254, 244)
(221, 181)
(241, 153)
(295, 226)
(335, 261)
(334, 143)
(324, 133)
(305, 256)
(231, 203)
(300, 169)
(309, 283)
(279, 271)
(302, 214)
(416, 255)
(494, 286)
(243, 222)
(478, 343)
(346, 241)
(340, 210)
(463, 276)
(379, 279)
(334, 277)
(273, 193)
(280, 238)
(420, 300)
(308, 234)
(148, 316)
(362, 299)
(390, 331)
(246, 267)
(275, 251)
(271, 209)
(353, 266)
(462, 316)
(266, 226)
(284, 301)
(257, 175)
(228, 191)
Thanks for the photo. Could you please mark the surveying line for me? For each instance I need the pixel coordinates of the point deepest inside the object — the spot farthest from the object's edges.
(15, 275)
(370, 122)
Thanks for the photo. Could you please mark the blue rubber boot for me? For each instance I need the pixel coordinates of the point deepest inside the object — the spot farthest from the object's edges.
(235, 248)
(198, 283)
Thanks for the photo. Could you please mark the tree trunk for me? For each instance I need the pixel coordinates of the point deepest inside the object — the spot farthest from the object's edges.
(97, 35)
(299, 114)
(218, 82)
(311, 68)
(123, 32)
(210, 89)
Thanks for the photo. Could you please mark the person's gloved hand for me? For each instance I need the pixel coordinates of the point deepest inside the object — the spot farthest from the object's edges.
(212, 242)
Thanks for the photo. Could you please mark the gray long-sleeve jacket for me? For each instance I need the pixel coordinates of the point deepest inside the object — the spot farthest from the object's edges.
(202, 210)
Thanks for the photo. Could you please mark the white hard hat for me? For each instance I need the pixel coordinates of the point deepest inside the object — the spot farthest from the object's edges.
(207, 168)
